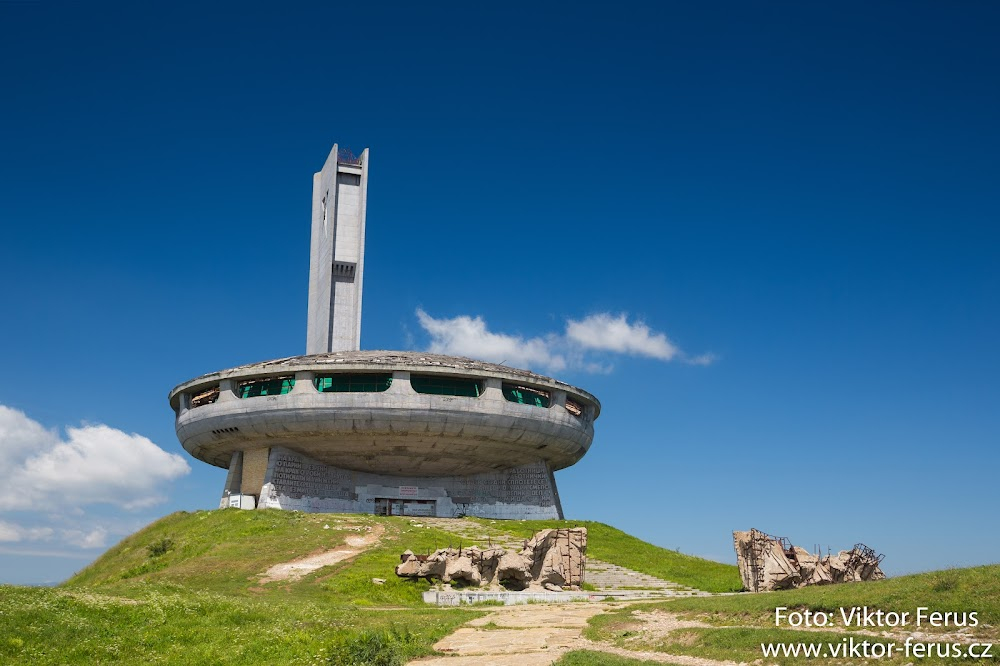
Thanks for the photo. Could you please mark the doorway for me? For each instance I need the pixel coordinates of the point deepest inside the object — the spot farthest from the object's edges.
(390, 506)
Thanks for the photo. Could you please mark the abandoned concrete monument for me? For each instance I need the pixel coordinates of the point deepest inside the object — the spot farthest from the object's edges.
(383, 432)
(553, 560)
(769, 563)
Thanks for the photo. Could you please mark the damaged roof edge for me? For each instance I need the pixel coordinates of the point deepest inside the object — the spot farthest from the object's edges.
(396, 360)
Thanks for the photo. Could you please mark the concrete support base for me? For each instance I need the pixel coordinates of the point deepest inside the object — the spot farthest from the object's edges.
(296, 482)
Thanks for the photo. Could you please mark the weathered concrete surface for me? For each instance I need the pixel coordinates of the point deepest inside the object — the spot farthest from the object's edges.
(539, 595)
(394, 432)
(297, 482)
(552, 559)
(766, 564)
(558, 557)
(337, 253)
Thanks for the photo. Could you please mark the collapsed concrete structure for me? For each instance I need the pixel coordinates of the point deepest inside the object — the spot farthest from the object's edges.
(771, 563)
(552, 559)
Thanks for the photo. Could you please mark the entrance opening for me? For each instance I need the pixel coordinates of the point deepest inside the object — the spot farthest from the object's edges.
(388, 506)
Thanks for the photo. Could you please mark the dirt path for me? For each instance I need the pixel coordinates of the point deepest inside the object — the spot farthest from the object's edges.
(540, 634)
(537, 635)
(296, 569)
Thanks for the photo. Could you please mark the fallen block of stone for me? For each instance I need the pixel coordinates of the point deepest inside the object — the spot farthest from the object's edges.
(551, 559)
(769, 563)
(557, 556)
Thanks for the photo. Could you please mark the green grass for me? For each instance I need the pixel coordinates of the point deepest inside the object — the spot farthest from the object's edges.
(225, 551)
(592, 658)
(158, 625)
(351, 580)
(221, 551)
(973, 589)
(616, 547)
(187, 590)
(379, 647)
(740, 623)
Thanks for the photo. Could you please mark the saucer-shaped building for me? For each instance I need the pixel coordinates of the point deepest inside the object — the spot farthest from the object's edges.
(387, 432)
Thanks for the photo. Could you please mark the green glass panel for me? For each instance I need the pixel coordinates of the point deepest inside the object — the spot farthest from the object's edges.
(353, 383)
(469, 388)
(259, 387)
(525, 396)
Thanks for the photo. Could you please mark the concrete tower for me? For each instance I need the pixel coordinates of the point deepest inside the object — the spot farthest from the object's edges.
(384, 432)
(337, 253)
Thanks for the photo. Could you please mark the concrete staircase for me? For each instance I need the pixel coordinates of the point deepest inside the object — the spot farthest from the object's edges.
(608, 577)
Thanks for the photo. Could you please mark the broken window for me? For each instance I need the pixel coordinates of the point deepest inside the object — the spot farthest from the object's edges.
(525, 395)
(206, 397)
(265, 386)
(574, 408)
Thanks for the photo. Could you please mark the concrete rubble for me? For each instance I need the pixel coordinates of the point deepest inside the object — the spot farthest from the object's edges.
(552, 559)
(769, 563)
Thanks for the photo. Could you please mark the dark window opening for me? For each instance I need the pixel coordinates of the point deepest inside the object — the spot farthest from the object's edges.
(205, 397)
(525, 396)
(345, 383)
(574, 408)
(265, 386)
(344, 270)
(435, 385)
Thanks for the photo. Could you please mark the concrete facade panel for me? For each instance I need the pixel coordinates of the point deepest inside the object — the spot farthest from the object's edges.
(255, 462)
(295, 481)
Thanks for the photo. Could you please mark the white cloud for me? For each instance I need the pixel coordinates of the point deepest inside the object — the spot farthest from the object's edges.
(95, 538)
(95, 464)
(601, 334)
(20, 436)
(11, 532)
(468, 336)
(701, 359)
(92, 464)
(608, 333)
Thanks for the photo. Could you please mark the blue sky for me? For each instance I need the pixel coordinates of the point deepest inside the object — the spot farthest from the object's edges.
(805, 194)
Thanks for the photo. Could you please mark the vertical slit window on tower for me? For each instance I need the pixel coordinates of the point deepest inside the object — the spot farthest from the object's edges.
(348, 383)
(524, 395)
(435, 385)
(265, 386)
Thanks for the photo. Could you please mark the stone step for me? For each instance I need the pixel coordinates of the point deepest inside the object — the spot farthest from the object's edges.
(606, 576)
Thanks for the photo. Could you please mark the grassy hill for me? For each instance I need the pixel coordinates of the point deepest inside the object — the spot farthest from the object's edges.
(187, 589)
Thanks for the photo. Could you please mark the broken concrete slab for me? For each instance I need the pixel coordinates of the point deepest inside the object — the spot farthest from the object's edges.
(769, 563)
